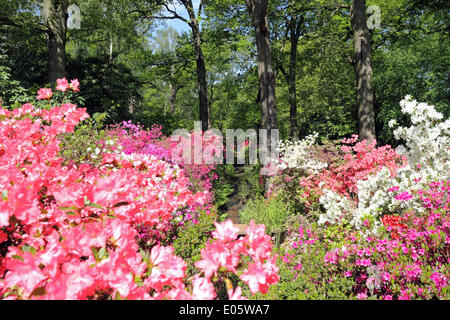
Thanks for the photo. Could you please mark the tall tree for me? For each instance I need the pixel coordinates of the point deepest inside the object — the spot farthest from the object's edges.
(200, 61)
(55, 18)
(266, 76)
(168, 10)
(363, 71)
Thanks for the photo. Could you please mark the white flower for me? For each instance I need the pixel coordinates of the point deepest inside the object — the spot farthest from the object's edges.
(298, 155)
(392, 123)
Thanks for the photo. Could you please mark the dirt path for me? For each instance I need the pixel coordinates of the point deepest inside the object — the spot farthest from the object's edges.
(235, 202)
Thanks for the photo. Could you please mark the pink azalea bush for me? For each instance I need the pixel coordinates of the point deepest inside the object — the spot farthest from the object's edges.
(71, 231)
(135, 139)
(347, 164)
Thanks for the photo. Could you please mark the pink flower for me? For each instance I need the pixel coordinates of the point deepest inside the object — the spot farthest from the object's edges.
(393, 189)
(260, 276)
(404, 196)
(202, 289)
(236, 295)
(225, 231)
(3, 236)
(361, 296)
(44, 94)
(24, 273)
(212, 259)
(63, 85)
(74, 85)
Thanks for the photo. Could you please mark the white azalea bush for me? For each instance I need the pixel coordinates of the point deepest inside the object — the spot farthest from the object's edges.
(299, 155)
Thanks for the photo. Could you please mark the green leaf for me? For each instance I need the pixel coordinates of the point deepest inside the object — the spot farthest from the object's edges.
(5, 195)
(27, 248)
(102, 253)
(117, 296)
(69, 208)
(94, 205)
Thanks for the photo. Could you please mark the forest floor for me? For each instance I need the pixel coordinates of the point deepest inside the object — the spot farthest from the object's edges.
(236, 202)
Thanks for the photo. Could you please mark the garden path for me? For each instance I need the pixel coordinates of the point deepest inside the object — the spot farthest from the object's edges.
(235, 202)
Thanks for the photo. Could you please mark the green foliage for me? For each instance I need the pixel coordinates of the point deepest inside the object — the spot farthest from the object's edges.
(80, 146)
(223, 185)
(11, 91)
(417, 66)
(272, 212)
(305, 276)
(106, 87)
(192, 237)
(249, 183)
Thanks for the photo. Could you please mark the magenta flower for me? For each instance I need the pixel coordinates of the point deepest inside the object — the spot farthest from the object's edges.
(404, 196)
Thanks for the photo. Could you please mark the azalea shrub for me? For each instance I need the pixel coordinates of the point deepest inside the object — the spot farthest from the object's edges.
(408, 258)
(87, 231)
(272, 212)
(134, 138)
(372, 221)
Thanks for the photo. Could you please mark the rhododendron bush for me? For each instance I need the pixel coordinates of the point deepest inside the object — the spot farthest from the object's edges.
(72, 231)
(378, 222)
(133, 138)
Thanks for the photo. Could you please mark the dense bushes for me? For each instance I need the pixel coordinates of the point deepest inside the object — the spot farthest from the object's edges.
(104, 230)
(372, 222)
(120, 215)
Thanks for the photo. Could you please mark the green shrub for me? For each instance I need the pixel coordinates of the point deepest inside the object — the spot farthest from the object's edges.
(250, 186)
(80, 146)
(223, 185)
(271, 212)
(192, 237)
(305, 276)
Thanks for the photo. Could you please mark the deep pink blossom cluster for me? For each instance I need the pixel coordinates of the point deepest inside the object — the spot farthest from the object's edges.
(408, 258)
(224, 254)
(136, 139)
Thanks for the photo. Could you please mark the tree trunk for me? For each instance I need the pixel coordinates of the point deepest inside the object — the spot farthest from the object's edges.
(363, 71)
(266, 75)
(200, 62)
(294, 30)
(55, 16)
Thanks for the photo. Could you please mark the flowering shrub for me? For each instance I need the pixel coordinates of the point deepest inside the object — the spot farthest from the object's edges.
(380, 222)
(336, 184)
(426, 159)
(298, 155)
(72, 231)
(135, 139)
(408, 258)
